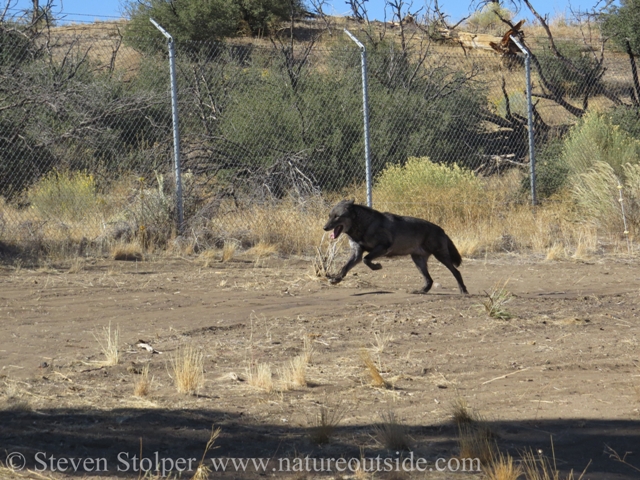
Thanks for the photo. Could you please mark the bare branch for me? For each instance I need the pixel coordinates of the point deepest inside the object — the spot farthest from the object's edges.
(359, 10)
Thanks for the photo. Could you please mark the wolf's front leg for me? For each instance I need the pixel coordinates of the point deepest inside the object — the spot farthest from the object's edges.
(378, 251)
(354, 259)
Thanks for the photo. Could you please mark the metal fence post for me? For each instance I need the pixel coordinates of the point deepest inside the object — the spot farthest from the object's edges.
(532, 158)
(365, 109)
(176, 132)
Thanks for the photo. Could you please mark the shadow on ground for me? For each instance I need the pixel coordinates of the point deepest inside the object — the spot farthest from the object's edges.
(119, 435)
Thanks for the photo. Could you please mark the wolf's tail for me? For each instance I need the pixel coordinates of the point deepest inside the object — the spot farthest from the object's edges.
(453, 253)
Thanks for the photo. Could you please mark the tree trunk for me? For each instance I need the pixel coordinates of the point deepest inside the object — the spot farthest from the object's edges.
(634, 74)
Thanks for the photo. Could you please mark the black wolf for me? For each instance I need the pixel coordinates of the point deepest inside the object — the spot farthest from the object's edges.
(389, 235)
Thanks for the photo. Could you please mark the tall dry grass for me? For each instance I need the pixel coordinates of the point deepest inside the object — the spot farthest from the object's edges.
(260, 376)
(493, 214)
(475, 439)
(391, 432)
(69, 213)
(294, 228)
(108, 341)
(481, 214)
(187, 368)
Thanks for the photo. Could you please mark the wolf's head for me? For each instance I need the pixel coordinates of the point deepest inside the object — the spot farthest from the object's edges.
(340, 218)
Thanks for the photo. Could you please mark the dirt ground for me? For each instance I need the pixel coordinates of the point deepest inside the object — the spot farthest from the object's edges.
(563, 370)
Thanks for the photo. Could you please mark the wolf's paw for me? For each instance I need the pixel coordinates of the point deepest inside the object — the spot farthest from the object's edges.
(375, 266)
(334, 280)
(419, 292)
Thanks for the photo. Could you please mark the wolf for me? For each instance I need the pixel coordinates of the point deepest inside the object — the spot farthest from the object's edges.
(388, 235)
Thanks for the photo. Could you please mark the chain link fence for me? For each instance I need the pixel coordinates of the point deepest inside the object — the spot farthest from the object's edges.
(86, 134)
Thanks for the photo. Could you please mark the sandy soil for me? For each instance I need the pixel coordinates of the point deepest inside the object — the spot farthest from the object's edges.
(565, 368)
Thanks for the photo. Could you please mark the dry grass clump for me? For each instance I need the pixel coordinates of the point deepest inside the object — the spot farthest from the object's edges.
(474, 436)
(187, 365)
(325, 260)
(381, 341)
(324, 425)
(262, 250)
(208, 258)
(555, 252)
(260, 376)
(14, 400)
(307, 350)
(461, 412)
(229, 250)
(443, 190)
(540, 467)
(127, 251)
(502, 467)
(142, 385)
(108, 342)
(374, 373)
(391, 433)
(203, 472)
(496, 300)
(65, 195)
(291, 225)
(295, 373)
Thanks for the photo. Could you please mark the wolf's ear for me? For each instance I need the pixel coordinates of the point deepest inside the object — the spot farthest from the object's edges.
(351, 202)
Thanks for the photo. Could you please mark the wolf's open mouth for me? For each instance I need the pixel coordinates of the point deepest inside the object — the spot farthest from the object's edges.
(336, 232)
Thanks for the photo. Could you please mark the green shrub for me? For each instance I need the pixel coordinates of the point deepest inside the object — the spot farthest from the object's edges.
(596, 139)
(597, 192)
(431, 190)
(622, 23)
(487, 19)
(574, 75)
(551, 171)
(204, 20)
(65, 196)
(628, 118)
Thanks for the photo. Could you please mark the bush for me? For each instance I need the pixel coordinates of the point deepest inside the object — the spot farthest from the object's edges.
(596, 139)
(424, 115)
(622, 23)
(575, 74)
(487, 19)
(432, 190)
(204, 20)
(64, 196)
(628, 118)
(551, 171)
(190, 20)
(597, 197)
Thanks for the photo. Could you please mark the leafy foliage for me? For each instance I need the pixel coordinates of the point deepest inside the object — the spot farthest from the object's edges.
(551, 170)
(444, 189)
(488, 18)
(622, 23)
(203, 20)
(595, 139)
(192, 20)
(628, 118)
(573, 75)
(64, 195)
(16, 45)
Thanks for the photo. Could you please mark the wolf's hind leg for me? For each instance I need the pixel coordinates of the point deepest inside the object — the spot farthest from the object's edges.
(446, 261)
(421, 263)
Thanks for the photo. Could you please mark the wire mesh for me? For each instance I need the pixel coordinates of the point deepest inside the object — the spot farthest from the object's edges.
(86, 137)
